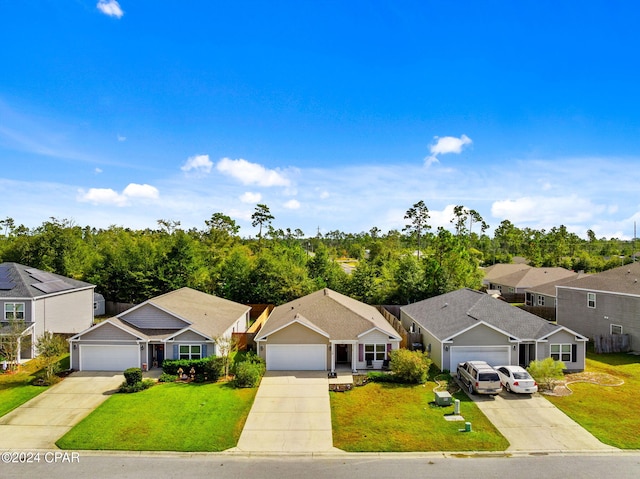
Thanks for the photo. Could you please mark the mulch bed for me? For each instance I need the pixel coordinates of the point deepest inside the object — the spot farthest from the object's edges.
(601, 379)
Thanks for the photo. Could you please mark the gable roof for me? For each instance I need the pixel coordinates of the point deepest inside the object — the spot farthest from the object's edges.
(549, 289)
(449, 314)
(623, 279)
(338, 316)
(502, 269)
(527, 278)
(20, 281)
(204, 313)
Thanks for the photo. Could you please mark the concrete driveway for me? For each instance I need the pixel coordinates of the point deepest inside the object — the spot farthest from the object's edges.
(531, 423)
(40, 422)
(291, 413)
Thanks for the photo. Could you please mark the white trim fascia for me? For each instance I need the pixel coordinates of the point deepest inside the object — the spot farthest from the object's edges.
(149, 302)
(311, 326)
(450, 338)
(376, 328)
(579, 337)
(99, 325)
(590, 290)
(184, 330)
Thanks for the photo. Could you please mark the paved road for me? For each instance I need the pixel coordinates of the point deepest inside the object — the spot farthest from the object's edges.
(291, 413)
(531, 423)
(333, 466)
(40, 422)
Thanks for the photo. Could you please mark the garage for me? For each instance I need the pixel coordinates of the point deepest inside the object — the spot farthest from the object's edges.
(296, 357)
(105, 357)
(494, 355)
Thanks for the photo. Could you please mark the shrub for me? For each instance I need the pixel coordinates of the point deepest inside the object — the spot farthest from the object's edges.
(380, 377)
(171, 366)
(410, 366)
(125, 387)
(167, 378)
(546, 372)
(248, 374)
(133, 376)
(213, 368)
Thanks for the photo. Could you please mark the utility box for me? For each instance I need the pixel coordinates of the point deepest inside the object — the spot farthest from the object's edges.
(443, 398)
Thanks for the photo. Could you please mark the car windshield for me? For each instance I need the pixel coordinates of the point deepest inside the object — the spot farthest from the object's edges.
(489, 376)
(521, 375)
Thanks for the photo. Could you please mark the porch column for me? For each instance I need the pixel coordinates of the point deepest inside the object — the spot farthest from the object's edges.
(333, 357)
(354, 357)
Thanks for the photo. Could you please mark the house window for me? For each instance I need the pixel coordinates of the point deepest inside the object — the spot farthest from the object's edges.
(561, 352)
(616, 329)
(375, 352)
(13, 311)
(512, 290)
(540, 300)
(190, 351)
(591, 300)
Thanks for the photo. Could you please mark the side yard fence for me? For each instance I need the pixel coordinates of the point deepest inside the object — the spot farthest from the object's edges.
(612, 343)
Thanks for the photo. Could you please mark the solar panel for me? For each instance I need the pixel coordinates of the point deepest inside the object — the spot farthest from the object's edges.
(41, 276)
(52, 286)
(6, 285)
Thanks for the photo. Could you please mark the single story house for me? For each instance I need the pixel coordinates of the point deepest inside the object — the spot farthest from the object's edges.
(515, 281)
(471, 325)
(606, 303)
(182, 324)
(325, 330)
(42, 301)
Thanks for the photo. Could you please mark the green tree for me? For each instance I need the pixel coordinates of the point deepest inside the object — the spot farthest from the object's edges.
(50, 348)
(261, 217)
(546, 372)
(410, 366)
(418, 214)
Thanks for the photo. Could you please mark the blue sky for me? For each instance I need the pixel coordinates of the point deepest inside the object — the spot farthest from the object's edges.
(339, 115)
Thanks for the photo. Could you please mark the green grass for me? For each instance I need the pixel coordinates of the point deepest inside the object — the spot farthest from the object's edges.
(166, 417)
(391, 417)
(609, 413)
(16, 388)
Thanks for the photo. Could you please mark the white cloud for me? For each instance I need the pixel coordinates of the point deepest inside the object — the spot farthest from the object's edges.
(250, 197)
(122, 138)
(445, 145)
(134, 190)
(251, 173)
(324, 195)
(108, 196)
(97, 171)
(292, 205)
(547, 211)
(110, 8)
(200, 163)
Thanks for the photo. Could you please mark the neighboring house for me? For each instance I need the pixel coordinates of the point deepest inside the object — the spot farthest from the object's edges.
(470, 325)
(514, 284)
(45, 302)
(544, 295)
(324, 330)
(182, 324)
(603, 303)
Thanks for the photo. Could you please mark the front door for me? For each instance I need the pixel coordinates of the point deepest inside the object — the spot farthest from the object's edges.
(342, 353)
(158, 355)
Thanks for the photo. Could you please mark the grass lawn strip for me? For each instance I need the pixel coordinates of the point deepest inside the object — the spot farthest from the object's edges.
(166, 417)
(607, 412)
(383, 417)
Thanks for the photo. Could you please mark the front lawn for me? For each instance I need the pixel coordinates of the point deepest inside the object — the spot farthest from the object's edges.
(16, 388)
(166, 417)
(393, 417)
(609, 413)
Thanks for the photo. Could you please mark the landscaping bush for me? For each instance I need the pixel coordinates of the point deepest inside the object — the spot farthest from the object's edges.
(171, 366)
(546, 372)
(248, 374)
(133, 376)
(167, 378)
(380, 377)
(125, 387)
(214, 368)
(410, 366)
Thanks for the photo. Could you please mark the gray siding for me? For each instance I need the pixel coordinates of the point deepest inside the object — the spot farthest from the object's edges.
(107, 332)
(28, 310)
(149, 316)
(611, 308)
(189, 336)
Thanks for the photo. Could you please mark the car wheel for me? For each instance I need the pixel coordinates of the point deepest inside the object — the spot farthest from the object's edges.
(459, 375)
(470, 388)
(507, 387)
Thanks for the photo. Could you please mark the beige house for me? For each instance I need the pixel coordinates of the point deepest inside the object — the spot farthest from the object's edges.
(42, 301)
(513, 280)
(182, 324)
(325, 330)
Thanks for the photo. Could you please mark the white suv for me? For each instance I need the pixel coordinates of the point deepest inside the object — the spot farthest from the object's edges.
(479, 377)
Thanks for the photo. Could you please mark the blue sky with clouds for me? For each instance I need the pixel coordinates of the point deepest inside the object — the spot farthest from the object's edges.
(337, 115)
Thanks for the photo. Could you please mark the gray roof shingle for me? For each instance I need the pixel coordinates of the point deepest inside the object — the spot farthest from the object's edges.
(24, 278)
(623, 279)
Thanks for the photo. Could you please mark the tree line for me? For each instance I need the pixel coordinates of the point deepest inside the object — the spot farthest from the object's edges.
(396, 267)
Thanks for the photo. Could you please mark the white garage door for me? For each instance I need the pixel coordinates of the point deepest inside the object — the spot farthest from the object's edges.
(296, 357)
(494, 355)
(109, 358)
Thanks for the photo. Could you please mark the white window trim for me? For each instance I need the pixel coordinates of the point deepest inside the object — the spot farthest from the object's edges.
(611, 326)
(191, 353)
(375, 351)
(589, 295)
(13, 311)
(561, 352)
(540, 300)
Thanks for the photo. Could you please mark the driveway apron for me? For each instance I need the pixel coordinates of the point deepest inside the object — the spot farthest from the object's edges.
(531, 423)
(40, 422)
(291, 413)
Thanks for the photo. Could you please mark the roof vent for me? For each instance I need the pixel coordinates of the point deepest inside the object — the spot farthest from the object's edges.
(445, 305)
